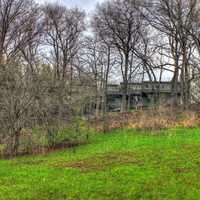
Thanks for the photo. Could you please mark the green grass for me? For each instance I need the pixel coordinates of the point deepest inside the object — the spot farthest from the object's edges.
(122, 165)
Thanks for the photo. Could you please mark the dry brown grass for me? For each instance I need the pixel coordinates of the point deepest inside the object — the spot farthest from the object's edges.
(152, 119)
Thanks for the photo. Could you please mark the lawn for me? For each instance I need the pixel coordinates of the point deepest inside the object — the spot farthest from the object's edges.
(122, 165)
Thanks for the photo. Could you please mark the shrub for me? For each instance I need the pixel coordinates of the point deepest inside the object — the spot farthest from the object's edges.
(42, 139)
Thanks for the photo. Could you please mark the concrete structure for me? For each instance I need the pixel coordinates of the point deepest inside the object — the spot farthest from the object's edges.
(140, 94)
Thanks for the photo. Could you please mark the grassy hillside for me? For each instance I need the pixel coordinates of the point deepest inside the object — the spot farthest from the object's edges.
(122, 165)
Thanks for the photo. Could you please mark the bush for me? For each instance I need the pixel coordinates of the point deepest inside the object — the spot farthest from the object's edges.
(43, 139)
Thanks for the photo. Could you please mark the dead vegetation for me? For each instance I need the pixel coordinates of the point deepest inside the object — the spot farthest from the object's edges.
(151, 119)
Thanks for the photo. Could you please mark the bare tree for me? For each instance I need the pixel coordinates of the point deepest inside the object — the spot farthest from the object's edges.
(63, 29)
(92, 58)
(17, 19)
(173, 18)
(18, 109)
(120, 21)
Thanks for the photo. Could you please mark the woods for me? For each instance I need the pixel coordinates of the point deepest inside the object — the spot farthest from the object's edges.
(56, 67)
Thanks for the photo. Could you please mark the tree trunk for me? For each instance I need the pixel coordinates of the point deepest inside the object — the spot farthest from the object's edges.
(105, 120)
(125, 85)
(174, 90)
(16, 138)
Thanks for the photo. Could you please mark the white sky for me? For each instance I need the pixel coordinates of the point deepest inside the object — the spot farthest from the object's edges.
(87, 5)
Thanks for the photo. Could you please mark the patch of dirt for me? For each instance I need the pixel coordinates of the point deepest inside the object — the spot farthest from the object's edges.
(29, 162)
(180, 170)
(104, 161)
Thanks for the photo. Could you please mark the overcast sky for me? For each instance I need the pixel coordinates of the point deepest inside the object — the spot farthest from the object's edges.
(87, 5)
